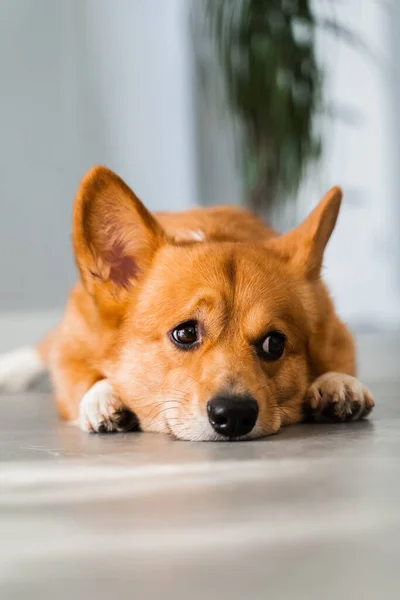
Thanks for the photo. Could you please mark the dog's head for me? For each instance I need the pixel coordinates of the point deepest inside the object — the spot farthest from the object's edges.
(208, 340)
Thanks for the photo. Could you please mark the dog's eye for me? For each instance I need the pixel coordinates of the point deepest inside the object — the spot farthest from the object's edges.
(185, 335)
(273, 346)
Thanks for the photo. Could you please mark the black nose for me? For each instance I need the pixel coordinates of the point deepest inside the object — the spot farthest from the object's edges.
(232, 416)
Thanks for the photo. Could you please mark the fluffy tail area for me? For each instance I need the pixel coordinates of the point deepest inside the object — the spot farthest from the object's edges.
(20, 368)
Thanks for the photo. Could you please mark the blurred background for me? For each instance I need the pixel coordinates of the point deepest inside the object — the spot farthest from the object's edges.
(265, 103)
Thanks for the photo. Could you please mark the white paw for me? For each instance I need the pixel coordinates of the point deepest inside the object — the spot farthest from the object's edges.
(339, 397)
(101, 410)
(19, 368)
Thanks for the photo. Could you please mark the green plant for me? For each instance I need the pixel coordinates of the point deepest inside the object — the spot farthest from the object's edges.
(274, 85)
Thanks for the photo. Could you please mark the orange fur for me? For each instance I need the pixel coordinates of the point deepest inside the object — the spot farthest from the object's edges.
(141, 275)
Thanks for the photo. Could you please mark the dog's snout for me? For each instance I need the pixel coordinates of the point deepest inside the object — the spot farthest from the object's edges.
(232, 415)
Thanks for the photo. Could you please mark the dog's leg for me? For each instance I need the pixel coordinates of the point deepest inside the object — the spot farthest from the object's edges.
(338, 397)
(87, 399)
(336, 393)
(83, 396)
(101, 410)
(20, 368)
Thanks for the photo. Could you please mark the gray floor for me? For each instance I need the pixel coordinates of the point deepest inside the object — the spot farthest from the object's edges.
(310, 513)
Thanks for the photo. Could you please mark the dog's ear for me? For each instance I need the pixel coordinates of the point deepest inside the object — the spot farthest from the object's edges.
(304, 246)
(115, 237)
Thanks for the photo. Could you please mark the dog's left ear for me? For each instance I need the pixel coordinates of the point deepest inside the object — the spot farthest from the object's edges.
(304, 246)
(115, 236)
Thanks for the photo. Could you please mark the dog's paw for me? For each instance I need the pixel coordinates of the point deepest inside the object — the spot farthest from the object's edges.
(19, 369)
(101, 410)
(339, 397)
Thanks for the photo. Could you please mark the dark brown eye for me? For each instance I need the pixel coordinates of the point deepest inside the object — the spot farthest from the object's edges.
(185, 335)
(273, 346)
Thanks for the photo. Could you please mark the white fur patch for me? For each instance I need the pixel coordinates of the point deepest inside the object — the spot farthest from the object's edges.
(19, 368)
(99, 408)
(198, 235)
(189, 235)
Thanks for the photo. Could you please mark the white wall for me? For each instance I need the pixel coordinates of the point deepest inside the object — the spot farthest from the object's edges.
(142, 67)
(363, 258)
(85, 82)
(43, 152)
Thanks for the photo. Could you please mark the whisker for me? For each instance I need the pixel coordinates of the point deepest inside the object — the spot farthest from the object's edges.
(160, 412)
(163, 403)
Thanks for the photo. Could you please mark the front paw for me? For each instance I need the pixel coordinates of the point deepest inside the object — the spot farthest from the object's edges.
(338, 397)
(101, 410)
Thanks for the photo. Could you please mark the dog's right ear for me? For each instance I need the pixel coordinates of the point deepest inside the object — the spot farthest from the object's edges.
(115, 237)
(304, 246)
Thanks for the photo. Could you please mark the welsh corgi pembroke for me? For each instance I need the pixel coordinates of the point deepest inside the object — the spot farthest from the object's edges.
(204, 324)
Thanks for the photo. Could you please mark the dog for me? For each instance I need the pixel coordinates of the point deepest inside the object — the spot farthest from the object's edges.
(204, 324)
